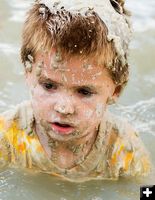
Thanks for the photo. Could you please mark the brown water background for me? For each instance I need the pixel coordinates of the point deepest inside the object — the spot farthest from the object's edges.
(137, 104)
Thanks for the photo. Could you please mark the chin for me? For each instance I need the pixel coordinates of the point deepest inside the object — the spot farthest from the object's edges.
(63, 138)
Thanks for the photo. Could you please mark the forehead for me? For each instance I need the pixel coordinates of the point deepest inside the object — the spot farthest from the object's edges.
(72, 70)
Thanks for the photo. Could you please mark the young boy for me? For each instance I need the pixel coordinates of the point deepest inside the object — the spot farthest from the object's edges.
(75, 60)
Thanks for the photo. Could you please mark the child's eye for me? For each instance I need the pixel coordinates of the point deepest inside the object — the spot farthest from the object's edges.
(85, 92)
(49, 86)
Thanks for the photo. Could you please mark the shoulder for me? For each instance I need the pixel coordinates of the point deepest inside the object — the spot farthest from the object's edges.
(123, 130)
(21, 115)
(128, 156)
(15, 124)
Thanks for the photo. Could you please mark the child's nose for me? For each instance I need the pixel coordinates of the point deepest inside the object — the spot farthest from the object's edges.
(64, 106)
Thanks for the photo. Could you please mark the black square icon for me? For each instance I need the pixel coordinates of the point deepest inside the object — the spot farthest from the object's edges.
(147, 192)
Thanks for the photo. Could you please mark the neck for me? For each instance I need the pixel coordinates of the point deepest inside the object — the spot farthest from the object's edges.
(69, 153)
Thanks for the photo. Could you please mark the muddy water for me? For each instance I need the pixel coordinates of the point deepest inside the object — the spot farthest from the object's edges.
(137, 104)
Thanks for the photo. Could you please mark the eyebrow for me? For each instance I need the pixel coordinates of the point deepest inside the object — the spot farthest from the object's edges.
(43, 78)
(46, 79)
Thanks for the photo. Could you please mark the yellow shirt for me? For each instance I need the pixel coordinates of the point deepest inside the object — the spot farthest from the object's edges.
(117, 151)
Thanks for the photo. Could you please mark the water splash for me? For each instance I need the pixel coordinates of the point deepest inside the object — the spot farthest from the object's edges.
(141, 115)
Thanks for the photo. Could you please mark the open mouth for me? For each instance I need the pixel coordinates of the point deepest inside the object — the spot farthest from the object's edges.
(62, 125)
(61, 128)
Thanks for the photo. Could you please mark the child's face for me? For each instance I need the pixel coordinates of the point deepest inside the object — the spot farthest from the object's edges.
(73, 92)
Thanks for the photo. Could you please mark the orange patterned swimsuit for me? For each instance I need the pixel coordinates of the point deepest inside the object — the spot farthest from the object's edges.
(116, 152)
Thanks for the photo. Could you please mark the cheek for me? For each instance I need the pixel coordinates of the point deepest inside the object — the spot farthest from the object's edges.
(40, 101)
(92, 111)
(38, 95)
(91, 117)
(100, 109)
(88, 113)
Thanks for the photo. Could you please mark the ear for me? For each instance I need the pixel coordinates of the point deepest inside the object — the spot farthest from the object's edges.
(117, 5)
(112, 99)
(117, 92)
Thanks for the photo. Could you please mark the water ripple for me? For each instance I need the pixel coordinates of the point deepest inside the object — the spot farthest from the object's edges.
(141, 115)
(8, 48)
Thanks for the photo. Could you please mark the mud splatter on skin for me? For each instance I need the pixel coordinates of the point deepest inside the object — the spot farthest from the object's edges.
(87, 66)
(58, 20)
(64, 77)
(30, 58)
(46, 129)
(58, 57)
(60, 151)
(28, 63)
(57, 63)
(95, 76)
(79, 161)
(28, 66)
(53, 63)
(75, 149)
(39, 69)
(56, 137)
(52, 143)
(76, 133)
(87, 122)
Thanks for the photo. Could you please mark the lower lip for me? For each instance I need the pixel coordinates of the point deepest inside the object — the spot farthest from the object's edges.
(62, 130)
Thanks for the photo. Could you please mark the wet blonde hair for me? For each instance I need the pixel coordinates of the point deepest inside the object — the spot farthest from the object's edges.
(74, 35)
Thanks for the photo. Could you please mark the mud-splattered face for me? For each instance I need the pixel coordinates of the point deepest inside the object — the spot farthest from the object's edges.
(69, 96)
